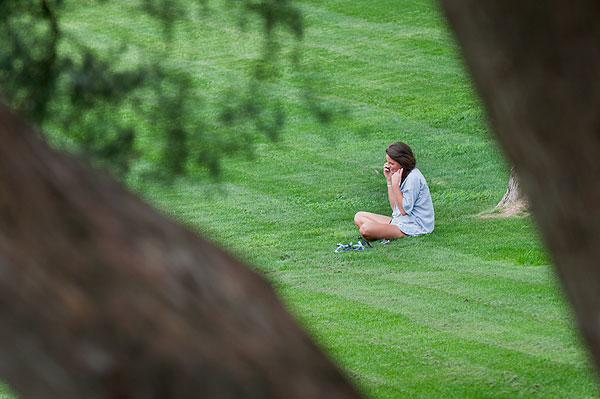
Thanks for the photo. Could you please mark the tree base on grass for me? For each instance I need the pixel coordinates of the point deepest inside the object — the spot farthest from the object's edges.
(514, 199)
(513, 204)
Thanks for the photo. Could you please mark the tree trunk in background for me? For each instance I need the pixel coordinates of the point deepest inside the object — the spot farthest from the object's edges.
(537, 67)
(102, 297)
(514, 199)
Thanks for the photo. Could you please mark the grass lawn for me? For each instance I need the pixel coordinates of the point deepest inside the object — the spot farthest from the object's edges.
(472, 310)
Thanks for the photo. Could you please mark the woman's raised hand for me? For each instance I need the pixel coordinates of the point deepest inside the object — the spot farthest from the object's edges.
(397, 176)
(387, 172)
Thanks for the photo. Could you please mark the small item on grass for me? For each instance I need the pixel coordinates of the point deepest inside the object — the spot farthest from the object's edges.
(384, 241)
(364, 242)
(360, 245)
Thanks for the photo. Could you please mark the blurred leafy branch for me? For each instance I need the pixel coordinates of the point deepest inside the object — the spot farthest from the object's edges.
(83, 92)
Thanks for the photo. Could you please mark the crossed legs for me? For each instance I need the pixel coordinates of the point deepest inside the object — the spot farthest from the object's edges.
(374, 227)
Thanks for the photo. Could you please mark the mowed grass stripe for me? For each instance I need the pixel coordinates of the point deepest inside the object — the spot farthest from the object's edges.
(393, 70)
(392, 350)
(450, 310)
(221, 70)
(193, 46)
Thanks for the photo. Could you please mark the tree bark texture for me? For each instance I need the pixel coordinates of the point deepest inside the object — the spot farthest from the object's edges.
(537, 67)
(102, 297)
(514, 197)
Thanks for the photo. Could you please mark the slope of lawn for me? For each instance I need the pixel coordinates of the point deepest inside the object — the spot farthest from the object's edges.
(472, 310)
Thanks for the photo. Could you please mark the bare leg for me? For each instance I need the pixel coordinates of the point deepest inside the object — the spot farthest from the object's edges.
(375, 231)
(363, 217)
(373, 226)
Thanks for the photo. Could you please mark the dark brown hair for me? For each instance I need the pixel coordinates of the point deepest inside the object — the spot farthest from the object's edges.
(401, 153)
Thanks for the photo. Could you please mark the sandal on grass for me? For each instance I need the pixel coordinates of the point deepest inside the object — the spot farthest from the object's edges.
(360, 245)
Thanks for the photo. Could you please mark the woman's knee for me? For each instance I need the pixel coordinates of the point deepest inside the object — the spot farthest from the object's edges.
(366, 230)
(359, 218)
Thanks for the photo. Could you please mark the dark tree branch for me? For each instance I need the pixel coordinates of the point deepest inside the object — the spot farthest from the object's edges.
(102, 297)
(537, 68)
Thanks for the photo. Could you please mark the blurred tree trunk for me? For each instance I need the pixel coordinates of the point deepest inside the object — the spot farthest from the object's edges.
(537, 67)
(102, 297)
(514, 198)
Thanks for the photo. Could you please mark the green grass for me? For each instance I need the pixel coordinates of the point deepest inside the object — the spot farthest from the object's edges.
(6, 393)
(472, 310)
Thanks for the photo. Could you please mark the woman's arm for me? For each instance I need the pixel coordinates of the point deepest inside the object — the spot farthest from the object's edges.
(391, 196)
(394, 193)
(388, 178)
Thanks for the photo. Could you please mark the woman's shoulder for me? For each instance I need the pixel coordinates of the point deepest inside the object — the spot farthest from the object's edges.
(416, 178)
(416, 174)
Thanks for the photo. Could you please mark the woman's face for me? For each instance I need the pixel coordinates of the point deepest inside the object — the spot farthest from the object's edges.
(394, 165)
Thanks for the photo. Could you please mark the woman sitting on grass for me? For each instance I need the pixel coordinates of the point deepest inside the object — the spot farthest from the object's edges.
(409, 199)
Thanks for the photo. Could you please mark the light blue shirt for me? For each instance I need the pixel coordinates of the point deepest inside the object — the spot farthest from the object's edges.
(420, 217)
